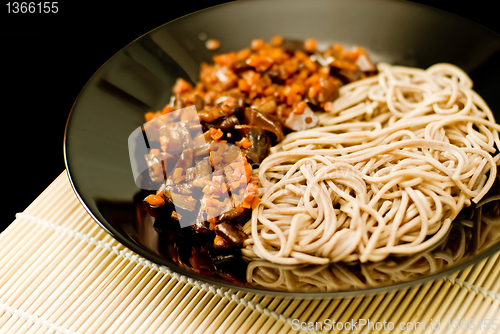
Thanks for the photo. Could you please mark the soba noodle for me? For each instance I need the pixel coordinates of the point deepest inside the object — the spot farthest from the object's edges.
(386, 172)
(472, 232)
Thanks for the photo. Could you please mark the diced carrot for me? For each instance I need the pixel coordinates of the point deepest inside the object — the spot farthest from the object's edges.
(210, 188)
(313, 79)
(288, 91)
(253, 60)
(254, 179)
(243, 85)
(238, 160)
(154, 200)
(248, 169)
(233, 185)
(228, 104)
(259, 89)
(324, 71)
(244, 143)
(211, 159)
(252, 188)
(220, 241)
(248, 198)
(310, 45)
(303, 74)
(212, 222)
(338, 48)
(255, 202)
(290, 66)
(154, 151)
(216, 134)
(251, 77)
(167, 109)
(314, 90)
(260, 63)
(181, 86)
(299, 88)
(242, 170)
(257, 44)
(251, 191)
(226, 59)
(213, 203)
(243, 54)
(270, 90)
(277, 40)
(310, 65)
(149, 116)
(217, 178)
(354, 53)
(301, 106)
(278, 55)
(236, 175)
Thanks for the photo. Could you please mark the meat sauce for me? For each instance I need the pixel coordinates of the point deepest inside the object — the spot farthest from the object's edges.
(244, 103)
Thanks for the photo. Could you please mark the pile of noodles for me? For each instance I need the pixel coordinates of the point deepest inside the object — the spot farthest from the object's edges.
(472, 232)
(385, 172)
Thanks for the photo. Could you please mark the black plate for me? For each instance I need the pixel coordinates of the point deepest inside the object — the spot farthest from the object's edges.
(139, 79)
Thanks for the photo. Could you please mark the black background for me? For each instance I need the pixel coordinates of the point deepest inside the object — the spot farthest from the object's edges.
(46, 59)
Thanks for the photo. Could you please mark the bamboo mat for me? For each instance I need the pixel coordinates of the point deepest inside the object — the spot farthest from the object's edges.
(61, 273)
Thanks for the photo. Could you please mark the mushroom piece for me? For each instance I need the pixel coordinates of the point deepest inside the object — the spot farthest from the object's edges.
(230, 233)
(266, 122)
(260, 142)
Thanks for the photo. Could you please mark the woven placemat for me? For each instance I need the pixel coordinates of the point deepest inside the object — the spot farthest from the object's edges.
(60, 272)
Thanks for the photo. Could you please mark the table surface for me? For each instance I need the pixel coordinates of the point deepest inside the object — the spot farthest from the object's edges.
(61, 272)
